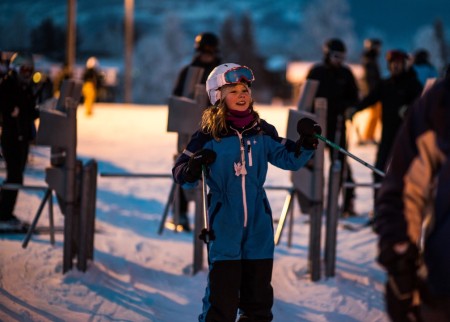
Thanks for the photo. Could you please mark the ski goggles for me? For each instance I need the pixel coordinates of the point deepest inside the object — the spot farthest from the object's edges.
(234, 75)
(238, 74)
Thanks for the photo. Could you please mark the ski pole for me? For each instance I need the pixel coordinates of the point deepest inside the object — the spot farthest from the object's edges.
(340, 149)
(205, 231)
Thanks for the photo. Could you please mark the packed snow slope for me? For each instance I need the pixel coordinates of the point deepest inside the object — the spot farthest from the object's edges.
(139, 275)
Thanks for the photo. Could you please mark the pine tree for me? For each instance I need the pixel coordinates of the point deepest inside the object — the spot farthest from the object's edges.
(426, 38)
(439, 34)
(228, 41)
(48, 39)
(239, 46)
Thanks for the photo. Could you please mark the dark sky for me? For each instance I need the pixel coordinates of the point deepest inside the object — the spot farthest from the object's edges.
(398, 19)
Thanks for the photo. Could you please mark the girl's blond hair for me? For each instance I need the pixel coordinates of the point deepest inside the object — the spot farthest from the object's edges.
(214, 119)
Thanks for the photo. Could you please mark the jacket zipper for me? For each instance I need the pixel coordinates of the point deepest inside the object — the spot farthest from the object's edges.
(249, 152)
(243, 173)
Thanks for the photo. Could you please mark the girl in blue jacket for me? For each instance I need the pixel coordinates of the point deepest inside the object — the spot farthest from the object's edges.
(236, 146)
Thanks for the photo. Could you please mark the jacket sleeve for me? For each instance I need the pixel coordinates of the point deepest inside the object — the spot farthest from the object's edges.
(371, 98)
(196, 143)
(281, 151)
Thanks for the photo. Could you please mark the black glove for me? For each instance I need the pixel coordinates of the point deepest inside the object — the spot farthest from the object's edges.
(402, 281)
(200, 158)
(307, 129)
(207, 235)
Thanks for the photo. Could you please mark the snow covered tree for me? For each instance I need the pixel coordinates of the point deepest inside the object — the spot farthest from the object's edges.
(426, 38)
(48, 39)
(324, 19)
(228, 40)
(440, 36)
(238, 46)
(157, 61)
(248, 49)
(102, 36)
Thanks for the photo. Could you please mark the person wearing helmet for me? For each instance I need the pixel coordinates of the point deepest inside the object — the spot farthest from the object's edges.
(423, 67)
(207, 57)
(233, 149)
(395, 94)
(372, 75)
(18, 108)
(338, 85)
(92, 81)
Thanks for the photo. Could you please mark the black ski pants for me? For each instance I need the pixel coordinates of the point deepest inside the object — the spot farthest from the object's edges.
(15, 153)
(239, 285)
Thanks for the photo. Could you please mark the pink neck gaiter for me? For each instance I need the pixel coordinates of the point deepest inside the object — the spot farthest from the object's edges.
(240, 119)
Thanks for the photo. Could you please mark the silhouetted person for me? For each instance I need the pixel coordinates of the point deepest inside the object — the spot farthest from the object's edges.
(396, 93)
(207, 56)
(17, 104)
(338, 85)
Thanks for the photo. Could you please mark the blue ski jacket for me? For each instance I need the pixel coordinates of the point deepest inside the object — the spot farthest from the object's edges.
(239, 212)
(413, 203)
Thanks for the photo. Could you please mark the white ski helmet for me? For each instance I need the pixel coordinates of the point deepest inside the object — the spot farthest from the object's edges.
(228, 73)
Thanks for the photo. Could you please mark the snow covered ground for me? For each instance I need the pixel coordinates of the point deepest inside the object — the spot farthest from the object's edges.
(138, 275)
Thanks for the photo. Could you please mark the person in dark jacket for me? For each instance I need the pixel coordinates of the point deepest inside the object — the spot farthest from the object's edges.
(236, 146)
(338, 85)
(207, 57)
(17, 104)
(413, 213)
(395, 93)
